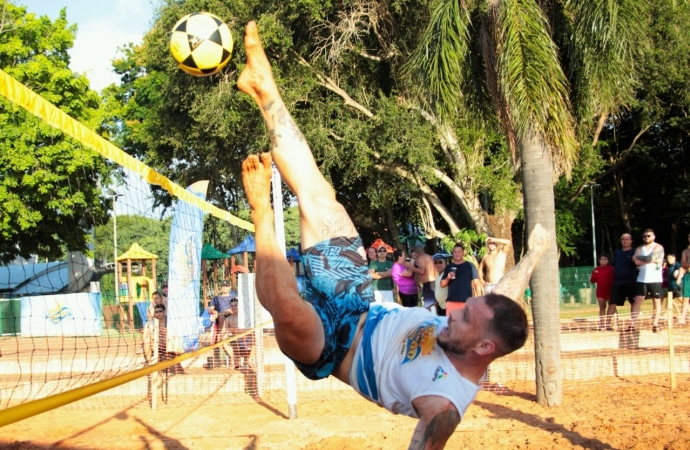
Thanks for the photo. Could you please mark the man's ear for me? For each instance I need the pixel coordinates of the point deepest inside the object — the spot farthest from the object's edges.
(485, 347)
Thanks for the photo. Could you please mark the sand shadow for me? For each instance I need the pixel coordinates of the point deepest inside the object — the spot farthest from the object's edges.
(537, 422)
(166, 440)
(251, 388)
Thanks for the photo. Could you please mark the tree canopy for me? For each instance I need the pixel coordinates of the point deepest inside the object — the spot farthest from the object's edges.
(49, 198)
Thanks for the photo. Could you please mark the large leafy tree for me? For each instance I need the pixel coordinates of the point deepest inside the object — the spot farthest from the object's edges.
(390, 159)
(49, 199)
(551, 73)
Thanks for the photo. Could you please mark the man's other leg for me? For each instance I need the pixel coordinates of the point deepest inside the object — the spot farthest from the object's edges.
(321, 216)
(299, 330)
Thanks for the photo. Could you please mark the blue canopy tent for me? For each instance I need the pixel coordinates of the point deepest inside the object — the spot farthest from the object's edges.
(246, 246)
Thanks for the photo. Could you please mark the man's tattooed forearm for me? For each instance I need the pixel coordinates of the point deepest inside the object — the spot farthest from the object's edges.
(437, 432)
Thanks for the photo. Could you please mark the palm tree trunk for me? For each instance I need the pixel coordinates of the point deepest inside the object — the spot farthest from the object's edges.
(537, 181)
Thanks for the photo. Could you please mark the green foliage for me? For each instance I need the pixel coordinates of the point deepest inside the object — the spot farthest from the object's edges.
(206, 127)
(48, 183)
(473, 242)
(152, 235)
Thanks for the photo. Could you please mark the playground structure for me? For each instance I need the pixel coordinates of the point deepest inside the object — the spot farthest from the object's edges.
(130, 288)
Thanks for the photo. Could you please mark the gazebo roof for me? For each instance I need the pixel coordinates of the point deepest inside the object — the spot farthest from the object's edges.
(210, 252)
(379, 242)
(135, 252)
(248, 245)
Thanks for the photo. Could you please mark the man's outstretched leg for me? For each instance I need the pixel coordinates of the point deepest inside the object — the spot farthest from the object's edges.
(338, 283)
(298, 329)
(514, 283)
(321, 216)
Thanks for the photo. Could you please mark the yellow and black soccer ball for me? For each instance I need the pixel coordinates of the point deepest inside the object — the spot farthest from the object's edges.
(201, 44)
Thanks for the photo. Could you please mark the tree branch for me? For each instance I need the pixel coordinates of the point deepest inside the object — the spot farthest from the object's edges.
(332, 86)
(613, 167)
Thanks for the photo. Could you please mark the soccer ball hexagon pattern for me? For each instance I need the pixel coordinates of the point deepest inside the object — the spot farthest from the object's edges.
(201, 44)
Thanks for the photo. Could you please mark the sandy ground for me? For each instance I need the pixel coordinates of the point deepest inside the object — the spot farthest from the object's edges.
(633, 415)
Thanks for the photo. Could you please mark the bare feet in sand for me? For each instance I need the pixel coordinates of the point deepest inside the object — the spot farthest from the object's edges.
(256, 79)
(256, 177)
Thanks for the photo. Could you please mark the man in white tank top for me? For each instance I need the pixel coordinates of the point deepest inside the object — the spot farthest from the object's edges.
(648, 257)
(322, 333)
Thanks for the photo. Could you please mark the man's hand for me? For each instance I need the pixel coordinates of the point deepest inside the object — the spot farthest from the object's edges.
(438, 420)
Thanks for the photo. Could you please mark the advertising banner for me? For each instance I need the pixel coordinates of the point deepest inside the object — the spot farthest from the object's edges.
(62, 315)
(184, 273)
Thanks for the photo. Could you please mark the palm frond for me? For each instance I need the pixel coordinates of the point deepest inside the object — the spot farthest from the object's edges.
(607, 41)
(435, 68)
(531, 79)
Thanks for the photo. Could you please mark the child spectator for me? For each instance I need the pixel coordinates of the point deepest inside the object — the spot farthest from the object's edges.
(603, 277)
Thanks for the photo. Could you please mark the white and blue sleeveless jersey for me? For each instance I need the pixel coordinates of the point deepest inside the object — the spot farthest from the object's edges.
(397, 360)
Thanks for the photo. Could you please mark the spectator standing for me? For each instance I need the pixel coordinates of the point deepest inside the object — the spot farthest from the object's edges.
(685, 288)
(164, 293)
(624, 276)
(156, 299)
(493, 264)
(380, 271)
(238, 350)
(371, 254)
(673, 275)
(440, 293)
(423, 267)
(219, 310)
(404, 279)
(603, 277)
(648, 258)
(159, 326)
(458, 277)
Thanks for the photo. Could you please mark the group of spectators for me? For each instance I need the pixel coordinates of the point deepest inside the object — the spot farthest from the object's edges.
(223, 313)
(431, 281)
(638, 273)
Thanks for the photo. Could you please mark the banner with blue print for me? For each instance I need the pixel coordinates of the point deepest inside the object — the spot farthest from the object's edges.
(62, 315)
(184, 273)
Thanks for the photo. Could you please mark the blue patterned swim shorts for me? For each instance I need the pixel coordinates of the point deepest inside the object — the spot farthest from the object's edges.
(338, 285)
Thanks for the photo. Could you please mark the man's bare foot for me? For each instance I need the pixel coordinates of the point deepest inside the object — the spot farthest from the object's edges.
(256, 177)
(256, 79)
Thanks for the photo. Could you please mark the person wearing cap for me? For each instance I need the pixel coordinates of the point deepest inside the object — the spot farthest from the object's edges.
(219, 310)
(440, 293)
(380, 271)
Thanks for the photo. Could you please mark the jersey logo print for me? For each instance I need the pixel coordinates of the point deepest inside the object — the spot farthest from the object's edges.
(439, 373)
(420, 341)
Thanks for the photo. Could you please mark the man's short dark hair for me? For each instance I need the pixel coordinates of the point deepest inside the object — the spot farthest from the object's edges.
(234, 300)
(647, 230)
(159, 307)
(509, 323)
(459, 244)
